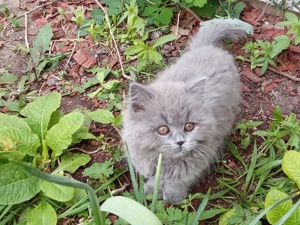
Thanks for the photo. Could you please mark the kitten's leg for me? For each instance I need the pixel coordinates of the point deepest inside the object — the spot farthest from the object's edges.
(149, 187)
(175, 192)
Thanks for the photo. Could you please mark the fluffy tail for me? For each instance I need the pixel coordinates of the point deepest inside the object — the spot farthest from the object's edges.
(215, 34)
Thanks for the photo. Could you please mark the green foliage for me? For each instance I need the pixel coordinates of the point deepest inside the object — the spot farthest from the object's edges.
(42, 42)
(4, 10)
(108, 89)
(158, 13)
(15, 22)
(280, 128)
(198, 3)
(294, 23)
(147, 55)
(31, 139)
(242, 127)
(237, 216)
(230, 8)
(264, 53)
(99, 170)
(43, 214)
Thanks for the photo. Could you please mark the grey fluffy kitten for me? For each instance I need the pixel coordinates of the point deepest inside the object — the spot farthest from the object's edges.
(185, 113)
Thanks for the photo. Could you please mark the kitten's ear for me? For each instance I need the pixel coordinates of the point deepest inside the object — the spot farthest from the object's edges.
(139, 95)
(197, 87)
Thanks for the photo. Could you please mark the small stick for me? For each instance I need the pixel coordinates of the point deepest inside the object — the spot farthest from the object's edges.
(85, 151)
(263, 11)
(119, 190)
(114, 40)
(279, 72)
(38, 7)
(26, 32)
(177, 26)
(191, 12)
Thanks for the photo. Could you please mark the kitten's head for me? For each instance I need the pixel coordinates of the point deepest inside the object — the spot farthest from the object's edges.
(167, 117)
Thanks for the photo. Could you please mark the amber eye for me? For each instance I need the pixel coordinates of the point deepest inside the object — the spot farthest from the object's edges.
(188, 126)
(164, 129)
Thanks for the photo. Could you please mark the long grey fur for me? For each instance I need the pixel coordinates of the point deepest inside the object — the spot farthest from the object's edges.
(202, 88)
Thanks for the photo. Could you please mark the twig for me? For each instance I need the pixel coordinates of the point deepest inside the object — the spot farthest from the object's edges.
(26, 32)
(279, 72)
(114, 40)
(177, 26)
(119, 190)
(263, 11)
(85, 151)
(191, 12)
(38, 7)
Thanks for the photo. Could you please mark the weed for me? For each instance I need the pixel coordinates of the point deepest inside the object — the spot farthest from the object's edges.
(294, 26)
(263, 53)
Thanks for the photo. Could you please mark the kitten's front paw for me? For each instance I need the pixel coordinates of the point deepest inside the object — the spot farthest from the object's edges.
(173, 197)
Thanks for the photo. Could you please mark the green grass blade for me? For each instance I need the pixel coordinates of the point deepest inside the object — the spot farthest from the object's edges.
(138, 197)
(157, 181)
(251, 167)
(235, 152)
(288, 214)
(201, 208)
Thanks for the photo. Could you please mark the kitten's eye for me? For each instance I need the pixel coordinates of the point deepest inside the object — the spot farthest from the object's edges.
(188, 126)
(164, 129)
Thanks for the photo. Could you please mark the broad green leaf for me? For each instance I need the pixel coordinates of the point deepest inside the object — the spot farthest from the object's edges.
(110, 84)
(164, 39)
(261, 133)
(97, 15)
(38, 113)
(79, 195)
(42, 42)
(99, 170)
(134, 49)
(43, 214)
(291, 165)
(59, 137)
(291, 17)
(103, 116)
(280, 45)
(277, 212)
(226, 216)
(57, 192)
(13, 121)
(16, 185)
(6, 78)
(73, 162)
(130, 210)
(24, 141)
(199, 3)
(297, 39)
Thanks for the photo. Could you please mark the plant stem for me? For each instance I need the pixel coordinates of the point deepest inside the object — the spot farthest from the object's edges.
(157, 181)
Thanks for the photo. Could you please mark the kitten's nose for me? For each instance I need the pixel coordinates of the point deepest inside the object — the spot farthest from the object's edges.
(180, 143)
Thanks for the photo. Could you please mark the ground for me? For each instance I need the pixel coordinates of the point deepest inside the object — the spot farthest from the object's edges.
(260, 93)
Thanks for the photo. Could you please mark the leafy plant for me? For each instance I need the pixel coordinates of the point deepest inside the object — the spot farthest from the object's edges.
(263, 53)
(39, 138)
(158, 13)
(230, 8)
(294, 23)
(242, 127)
(286, 212)
(146, 54)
